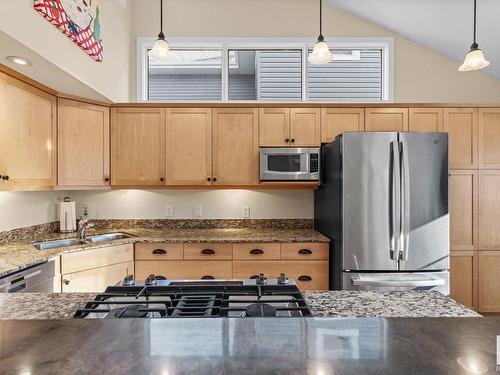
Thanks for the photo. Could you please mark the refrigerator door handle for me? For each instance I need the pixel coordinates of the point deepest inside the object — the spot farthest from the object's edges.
(394, 201)
(405, 201)
(430, 282)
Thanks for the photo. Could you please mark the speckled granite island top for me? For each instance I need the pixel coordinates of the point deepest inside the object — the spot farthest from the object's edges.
(19, 254)
(323, 304)
(326, 346)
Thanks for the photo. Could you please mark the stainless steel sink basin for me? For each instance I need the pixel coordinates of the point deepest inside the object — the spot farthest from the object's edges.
(47, 245)
(108, 237)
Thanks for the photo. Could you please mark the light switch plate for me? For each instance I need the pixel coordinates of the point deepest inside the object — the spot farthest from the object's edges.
(245, 212)
(169, 210)
(198, 211)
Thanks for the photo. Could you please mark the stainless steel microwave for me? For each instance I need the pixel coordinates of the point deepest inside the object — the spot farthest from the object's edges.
(282, 164)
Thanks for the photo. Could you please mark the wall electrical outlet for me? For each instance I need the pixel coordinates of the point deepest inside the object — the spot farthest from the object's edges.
(198, 211)
(245, 212)
(169, 210)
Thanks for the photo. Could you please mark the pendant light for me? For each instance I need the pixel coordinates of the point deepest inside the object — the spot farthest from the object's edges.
(160, 49)
(321, 52)
(474, 60)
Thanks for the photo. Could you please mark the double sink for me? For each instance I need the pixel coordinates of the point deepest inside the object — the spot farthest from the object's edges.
(48, 245)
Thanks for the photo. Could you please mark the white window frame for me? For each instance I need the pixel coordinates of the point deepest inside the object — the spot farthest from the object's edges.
(386, 44)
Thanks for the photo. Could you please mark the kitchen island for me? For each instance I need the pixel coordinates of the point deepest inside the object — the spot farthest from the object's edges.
(323, 304)
(323, 346)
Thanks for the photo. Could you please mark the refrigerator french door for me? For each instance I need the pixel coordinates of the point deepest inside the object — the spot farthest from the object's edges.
(383, 201)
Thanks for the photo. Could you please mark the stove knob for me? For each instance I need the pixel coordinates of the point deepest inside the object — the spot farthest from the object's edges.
(282, 279)
(150, 280)
(262, 280)
(128, 280)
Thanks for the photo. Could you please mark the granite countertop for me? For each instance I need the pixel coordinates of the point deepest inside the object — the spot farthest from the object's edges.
(21, 254)
(328, 346)
(323, 304)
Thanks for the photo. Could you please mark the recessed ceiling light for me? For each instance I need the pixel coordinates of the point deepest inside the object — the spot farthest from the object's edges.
(19, 60)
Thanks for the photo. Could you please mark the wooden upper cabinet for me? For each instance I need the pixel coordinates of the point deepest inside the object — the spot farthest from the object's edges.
(425, 120)
(274, 127)
(335, 121)
(189, 146)
(463, 277)
(305, 127)
(27, 136)
(463, 197)
(138, 146)
(489, 138)
(489, 210)
(83, 144)
(461, 125)
(235, 146)
(386, 119)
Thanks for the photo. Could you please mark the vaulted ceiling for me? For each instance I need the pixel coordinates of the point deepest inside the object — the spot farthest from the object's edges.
(444, 26)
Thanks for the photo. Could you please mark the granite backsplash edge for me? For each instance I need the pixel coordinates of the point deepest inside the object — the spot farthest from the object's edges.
(35, 231)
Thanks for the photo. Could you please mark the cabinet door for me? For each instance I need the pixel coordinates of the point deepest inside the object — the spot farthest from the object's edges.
(83, 144)
(489, 279)
(27, 136)
(235, 146)
(274, 127)
(386, 119)
(463, 199)
(189, 146)
(489, 210)
(425, 120)
(305, 127)
(461, 125)
(463, 277)
(96, 280)
(334, 121)
(138, 146)
(489, 138)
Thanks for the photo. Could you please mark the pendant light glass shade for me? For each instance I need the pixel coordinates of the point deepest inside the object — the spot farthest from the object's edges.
(321, 52)
(160, 48)
(474, 60)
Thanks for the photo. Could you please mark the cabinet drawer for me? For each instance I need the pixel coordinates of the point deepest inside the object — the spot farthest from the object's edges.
(208, 251)
(297, 251)
(194, 269)
(255, 251)
(309, 275)
(88, 259)
(96, 280)
(158, 251)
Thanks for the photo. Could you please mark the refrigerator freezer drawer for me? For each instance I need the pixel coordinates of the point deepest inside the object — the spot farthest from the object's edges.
(438, 281)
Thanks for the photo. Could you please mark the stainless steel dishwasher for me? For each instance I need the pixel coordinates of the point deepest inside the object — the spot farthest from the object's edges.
(36, 278)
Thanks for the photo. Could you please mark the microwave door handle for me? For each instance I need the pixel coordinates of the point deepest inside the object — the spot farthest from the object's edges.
(405, 200)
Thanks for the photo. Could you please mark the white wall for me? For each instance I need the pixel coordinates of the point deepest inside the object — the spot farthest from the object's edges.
(110, 77)
(21, 209)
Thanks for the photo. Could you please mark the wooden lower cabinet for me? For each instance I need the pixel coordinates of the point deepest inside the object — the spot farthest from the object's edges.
(184, 269)
(309, 275)
(463, 277)
(96, 280)
(95, 258)
(488, 281)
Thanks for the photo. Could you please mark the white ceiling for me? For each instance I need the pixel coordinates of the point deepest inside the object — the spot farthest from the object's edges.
(444, 26)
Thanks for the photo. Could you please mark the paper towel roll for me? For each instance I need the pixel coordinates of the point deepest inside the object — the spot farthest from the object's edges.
(67, 217)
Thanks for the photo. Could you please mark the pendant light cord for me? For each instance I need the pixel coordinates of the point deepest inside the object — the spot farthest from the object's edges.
(475, 22)
(161, 15)
(321, 17)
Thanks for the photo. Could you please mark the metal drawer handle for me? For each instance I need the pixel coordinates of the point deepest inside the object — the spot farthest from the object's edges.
(207, 277)
(159, 251)
(256, 252)
(305, 278)
(305, 252)
(208, 252)
(254, 277)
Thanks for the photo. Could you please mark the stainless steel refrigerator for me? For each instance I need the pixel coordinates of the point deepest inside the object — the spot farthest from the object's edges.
(383, 201)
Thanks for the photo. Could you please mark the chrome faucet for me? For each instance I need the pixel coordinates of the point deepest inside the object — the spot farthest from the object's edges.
(84, 223)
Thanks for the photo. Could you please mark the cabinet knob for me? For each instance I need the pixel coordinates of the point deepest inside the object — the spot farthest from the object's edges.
(207, 277)
(159, 251)
(66, 282)
(304, 252)
(254, 277)
(162, 179)
(106, 179)
(292, 140)
(215, 179)
(209, 179)
(305, 278)
(256, 251)
(5, 178)
(287, 140)
(208, 252)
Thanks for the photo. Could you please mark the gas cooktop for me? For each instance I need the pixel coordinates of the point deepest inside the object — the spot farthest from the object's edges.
(158, 297)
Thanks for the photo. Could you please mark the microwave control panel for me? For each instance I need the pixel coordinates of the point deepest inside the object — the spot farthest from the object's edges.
(313, 163)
